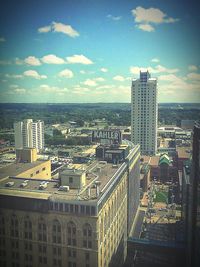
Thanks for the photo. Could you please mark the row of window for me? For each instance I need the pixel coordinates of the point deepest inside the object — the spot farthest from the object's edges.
(57, 232)
(43, 169)
(42, 259)
(73, 208)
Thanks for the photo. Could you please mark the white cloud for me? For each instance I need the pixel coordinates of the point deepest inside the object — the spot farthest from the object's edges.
(33, 61)
(119, 78)
(34, 74)
(80, 90)
(82, 72)
(169, 78)
(89, 82)
(99, 79)
(59, 27)
(14, 86)
(160, 68)
(53, 89)
(15, 76)
(66, 73)
(156, 60)
(146, 27)
(193, 76)
(44, 29)
(106, 86)
(144, 17)
(136, 70)
(114, 17)
(2, 39)
(20, 90)
(81, 59)
(52, 59)
(66, 29)
(104, 70)
(192, 68)
(19, 61)
(156, 69)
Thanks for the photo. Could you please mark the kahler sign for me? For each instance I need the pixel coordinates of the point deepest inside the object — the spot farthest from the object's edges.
(107, 136)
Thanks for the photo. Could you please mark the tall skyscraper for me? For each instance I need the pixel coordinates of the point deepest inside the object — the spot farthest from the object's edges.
(144, 113)
(29, 134)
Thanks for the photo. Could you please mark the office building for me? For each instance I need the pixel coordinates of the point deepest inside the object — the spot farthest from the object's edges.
(81, 219)
(29, 134)
(144, 113)
(193, 198)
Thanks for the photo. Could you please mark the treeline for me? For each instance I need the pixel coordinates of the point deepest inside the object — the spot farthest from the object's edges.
(118, 114)
(70, 141)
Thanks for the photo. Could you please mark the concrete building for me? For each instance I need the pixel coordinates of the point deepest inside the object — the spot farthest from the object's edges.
(193, 204)
(29, 134)
(68, 222)
(27, 166)
(144, 113)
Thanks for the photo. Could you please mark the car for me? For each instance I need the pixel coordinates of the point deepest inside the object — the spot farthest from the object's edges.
(9, 184)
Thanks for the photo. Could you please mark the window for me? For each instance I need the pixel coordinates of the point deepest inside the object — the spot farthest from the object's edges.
(56, 251)
(56, 233)
(28, 246)
(71, 234)
(37, 172)
(70, 180)
(71, 253)
(87, 256)
(42, 230)
(2, 225)
(42, 249)
(14, 229)
(27, 228)
(87, 236)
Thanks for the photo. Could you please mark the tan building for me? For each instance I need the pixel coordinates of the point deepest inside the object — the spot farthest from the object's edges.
(26, 155)
(85, 226)
(27, 166)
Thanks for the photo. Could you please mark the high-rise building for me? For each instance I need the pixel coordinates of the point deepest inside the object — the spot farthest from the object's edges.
(144, 113)
(192, 219)
(29, 134)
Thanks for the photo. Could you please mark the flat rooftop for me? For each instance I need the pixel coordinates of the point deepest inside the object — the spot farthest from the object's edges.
(96, 171)
(17, 168)
(184, 152)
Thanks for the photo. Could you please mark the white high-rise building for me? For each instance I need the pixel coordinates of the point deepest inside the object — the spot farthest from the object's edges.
(29, 134)
(144, 113)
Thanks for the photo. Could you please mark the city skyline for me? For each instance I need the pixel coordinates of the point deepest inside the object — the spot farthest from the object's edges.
(89, 51)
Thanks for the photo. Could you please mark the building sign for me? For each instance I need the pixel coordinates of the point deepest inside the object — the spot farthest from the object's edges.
(106, 136)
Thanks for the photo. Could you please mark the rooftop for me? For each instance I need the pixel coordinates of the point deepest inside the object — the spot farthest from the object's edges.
(17, 168)
(184, 152)
(97, 171)
(154, 160)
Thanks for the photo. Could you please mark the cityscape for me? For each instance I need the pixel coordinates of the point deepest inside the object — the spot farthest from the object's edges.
(99, 133)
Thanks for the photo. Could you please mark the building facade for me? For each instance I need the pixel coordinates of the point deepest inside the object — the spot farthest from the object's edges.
(29, 134)
(83, 226)
(144, 113)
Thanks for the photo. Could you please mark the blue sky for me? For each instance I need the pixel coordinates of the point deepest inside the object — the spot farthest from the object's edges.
(89, 50)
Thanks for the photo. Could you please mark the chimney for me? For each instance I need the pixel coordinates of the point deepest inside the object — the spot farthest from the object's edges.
(89, 191)
(97, 187)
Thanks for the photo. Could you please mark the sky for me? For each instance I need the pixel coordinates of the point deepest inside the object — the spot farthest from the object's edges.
(87, 51)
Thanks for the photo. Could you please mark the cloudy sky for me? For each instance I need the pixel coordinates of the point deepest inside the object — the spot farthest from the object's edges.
(89, 50)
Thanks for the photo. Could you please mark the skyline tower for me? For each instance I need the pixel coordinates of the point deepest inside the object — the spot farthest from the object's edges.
(29, 134)
(144, 113)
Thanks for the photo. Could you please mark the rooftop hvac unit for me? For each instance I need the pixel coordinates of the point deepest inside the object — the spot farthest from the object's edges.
(63, 188)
